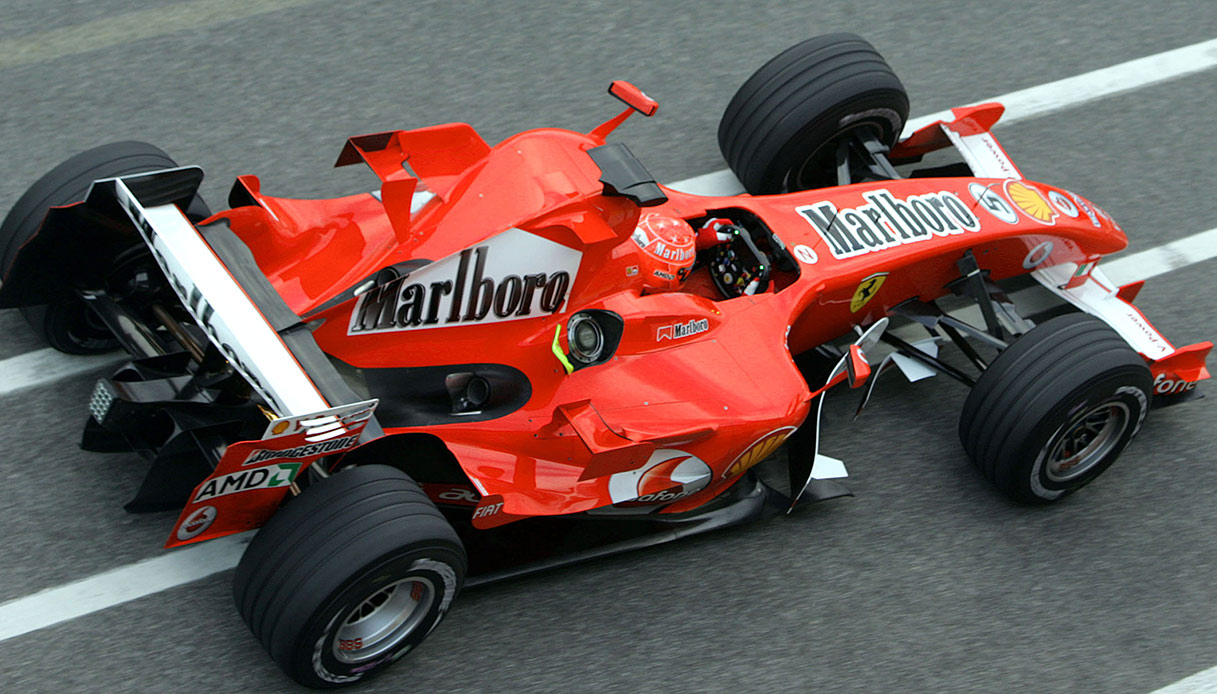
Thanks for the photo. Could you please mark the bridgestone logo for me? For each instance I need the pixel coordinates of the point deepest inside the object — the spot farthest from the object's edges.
(263, 455)
(513, 276)
(887, 221)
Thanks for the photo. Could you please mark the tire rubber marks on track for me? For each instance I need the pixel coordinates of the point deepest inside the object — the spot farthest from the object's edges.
(133, 26)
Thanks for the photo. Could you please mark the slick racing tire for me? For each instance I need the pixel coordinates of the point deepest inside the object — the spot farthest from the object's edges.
(1055, 409)
(780, 130)
(67, 324)
(349, 576)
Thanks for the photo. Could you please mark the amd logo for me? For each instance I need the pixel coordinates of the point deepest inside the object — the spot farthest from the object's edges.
(269, 477)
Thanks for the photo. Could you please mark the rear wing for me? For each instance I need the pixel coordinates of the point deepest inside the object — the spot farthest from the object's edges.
(219, 283)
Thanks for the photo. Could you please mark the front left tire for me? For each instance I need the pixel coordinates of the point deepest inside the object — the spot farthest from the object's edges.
(780, 131)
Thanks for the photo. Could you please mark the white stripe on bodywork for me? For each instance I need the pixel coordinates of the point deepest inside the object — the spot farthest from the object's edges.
(983, 154)
(1097, 296)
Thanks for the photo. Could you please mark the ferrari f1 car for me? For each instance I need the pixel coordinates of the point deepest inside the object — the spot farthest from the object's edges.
(513, 356)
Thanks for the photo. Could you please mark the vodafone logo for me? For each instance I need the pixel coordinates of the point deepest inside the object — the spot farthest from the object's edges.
(1166, 386)
(668, 475)
(198, 521)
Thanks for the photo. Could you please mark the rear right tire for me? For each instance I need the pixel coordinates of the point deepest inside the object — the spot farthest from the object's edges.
(349, 576)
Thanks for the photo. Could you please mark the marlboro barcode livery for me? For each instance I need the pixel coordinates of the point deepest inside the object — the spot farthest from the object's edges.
(396, 385)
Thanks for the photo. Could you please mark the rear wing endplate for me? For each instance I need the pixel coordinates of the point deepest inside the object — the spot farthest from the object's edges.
(219, 283)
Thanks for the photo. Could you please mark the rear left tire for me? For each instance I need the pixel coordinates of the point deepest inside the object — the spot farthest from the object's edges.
(67, 324)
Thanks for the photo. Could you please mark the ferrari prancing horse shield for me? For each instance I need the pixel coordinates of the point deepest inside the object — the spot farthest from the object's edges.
(867, 288)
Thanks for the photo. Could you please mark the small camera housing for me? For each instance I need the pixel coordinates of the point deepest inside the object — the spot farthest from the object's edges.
(592, 336)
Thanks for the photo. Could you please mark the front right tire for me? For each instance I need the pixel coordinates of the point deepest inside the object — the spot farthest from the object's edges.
(1055, 409)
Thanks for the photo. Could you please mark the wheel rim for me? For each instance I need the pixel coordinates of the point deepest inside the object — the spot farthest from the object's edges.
(383, 620)
(819, 169)
(86, 329)
(1086, 440)
(73, 327)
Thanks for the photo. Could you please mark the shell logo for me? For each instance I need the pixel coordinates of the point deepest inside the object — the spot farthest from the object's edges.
(760, 449)
(1031, 202)
(668, 475)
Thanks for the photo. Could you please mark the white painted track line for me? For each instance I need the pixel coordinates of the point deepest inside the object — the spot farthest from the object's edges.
(1096, 84)
(182, 566)
(1036, 101)
(79, 598)
(125, 28)
(1203, 682)
(718, 183)
(43, 366)
(1162, 259)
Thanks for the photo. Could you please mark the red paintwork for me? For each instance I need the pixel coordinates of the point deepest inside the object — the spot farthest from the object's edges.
(713, 395)
(968, 120)
(253, 477)
(634, 97)
(1130, 291)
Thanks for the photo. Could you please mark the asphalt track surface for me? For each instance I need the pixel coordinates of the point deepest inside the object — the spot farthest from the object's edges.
(926, 580)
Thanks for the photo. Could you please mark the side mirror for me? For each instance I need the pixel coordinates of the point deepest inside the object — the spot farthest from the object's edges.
(633, 97)
(857, 367)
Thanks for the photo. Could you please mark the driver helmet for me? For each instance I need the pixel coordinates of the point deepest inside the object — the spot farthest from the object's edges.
(667, 245)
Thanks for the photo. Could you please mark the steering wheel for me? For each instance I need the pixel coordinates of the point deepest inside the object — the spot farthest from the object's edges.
(737, 266)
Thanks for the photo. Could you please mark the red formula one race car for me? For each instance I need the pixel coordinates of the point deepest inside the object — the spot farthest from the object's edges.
(514, 356)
